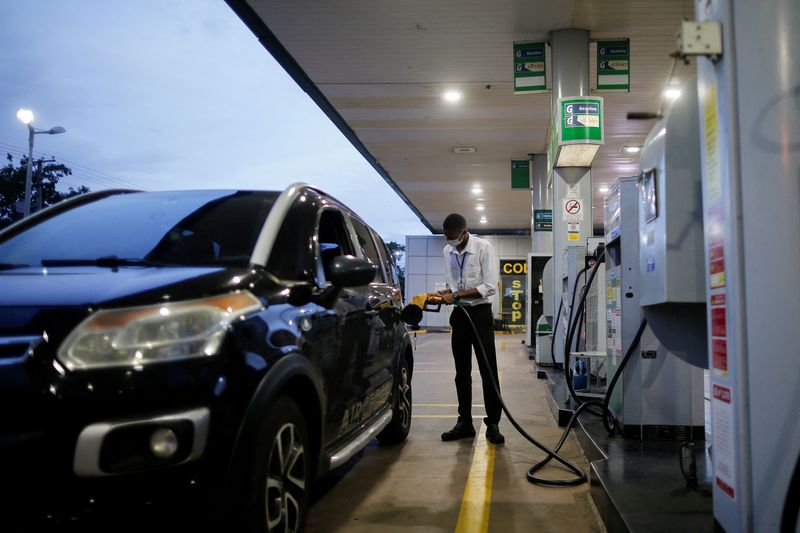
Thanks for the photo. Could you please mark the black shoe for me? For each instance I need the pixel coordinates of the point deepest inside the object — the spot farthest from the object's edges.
(493, 434)
(462, 430)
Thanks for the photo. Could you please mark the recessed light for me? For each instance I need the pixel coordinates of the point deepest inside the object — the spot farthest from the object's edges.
(484, 221)
(479, 207)
(451, 96)
(632, 149)
(602, 190)
(464, 149)
(477, 190)
(672, 93)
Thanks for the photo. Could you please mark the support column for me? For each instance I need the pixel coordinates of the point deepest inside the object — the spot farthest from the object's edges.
(570, 78)
(541, 199)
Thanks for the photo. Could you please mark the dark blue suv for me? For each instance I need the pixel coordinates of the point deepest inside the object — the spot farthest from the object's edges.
(232, 344)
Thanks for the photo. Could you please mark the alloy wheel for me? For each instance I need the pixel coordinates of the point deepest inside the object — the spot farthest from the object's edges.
(404, 405)
(286, 480)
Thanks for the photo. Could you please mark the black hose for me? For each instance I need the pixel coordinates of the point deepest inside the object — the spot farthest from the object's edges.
(556, 319)
(571, 329)
(572, 303)
(553, 454)
(791, 505)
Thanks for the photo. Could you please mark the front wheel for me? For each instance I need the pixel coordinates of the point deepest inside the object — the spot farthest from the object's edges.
(398, 428)
(280, 480)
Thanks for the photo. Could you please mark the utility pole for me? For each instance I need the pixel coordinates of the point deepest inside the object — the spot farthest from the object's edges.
(39, 182)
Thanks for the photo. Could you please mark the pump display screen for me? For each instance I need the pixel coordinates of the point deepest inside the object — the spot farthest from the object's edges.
(649, 195)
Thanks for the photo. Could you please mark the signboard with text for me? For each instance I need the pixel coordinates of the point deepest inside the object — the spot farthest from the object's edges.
(543, 220)
(580, 120)
(614, 65)
(512, 291)
(530, 67)
(520, 174)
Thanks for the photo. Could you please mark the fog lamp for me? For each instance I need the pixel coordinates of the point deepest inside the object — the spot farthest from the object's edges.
(163, 443)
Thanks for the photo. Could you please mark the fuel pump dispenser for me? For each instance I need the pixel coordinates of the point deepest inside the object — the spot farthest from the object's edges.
(659, 396)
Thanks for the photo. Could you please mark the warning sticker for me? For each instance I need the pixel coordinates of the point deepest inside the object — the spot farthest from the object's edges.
(724, 438)
(572, 209)
(573, 231)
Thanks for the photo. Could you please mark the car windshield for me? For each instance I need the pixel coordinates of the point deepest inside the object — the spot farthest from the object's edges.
(174, 228)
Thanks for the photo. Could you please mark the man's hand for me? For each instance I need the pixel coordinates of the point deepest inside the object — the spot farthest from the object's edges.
(448, 298)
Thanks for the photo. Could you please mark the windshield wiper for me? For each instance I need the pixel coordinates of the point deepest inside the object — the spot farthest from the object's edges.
(12, 266)
(111, 261)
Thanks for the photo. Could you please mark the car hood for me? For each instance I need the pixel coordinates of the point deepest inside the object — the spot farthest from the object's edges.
(96, 286)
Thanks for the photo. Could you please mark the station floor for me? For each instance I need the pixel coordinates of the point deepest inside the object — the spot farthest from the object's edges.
(426, 485)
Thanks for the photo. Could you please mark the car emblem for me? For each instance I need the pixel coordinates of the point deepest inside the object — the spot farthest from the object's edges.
(305, 324)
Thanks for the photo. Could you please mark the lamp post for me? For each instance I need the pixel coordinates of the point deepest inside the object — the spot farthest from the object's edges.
(26, 116)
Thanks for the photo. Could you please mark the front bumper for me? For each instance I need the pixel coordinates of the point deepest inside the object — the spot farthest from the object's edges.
(134, 445)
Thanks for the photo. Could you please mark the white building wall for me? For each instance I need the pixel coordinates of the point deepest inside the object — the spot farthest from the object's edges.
(425, 267)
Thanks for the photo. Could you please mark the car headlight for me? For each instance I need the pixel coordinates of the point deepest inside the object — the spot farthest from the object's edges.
(136, 336)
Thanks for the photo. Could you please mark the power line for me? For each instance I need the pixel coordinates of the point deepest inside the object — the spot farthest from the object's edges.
(100, 177)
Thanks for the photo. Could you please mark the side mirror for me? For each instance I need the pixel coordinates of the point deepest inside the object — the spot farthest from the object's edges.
(349, 271)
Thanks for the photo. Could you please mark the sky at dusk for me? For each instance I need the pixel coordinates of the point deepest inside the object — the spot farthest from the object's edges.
(173, 95)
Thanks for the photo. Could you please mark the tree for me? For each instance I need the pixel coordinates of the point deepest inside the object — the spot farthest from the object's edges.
(44, 193)
(398, 250)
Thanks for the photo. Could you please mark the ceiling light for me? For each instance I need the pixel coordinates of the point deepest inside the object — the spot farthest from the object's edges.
(672, 93)
(451, 96)
(479, 207)
(464, 149)
(602, 190)
(477, 190)
(483, 220)
(632, 149)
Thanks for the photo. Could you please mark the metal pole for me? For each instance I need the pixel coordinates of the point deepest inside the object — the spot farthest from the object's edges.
(541, 199)
(570, 78)
(26, 210)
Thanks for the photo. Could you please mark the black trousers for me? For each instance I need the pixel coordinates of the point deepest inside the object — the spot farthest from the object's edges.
(463, 340)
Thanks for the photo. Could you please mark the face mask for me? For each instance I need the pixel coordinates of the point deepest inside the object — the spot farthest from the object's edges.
(456, 242)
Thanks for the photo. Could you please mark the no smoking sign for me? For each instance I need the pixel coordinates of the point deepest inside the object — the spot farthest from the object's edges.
(572, 209)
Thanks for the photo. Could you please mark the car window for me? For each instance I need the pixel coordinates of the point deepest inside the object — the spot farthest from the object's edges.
(292, 256)
(332, 238)
(182, 228)
(388, 260)
(368, 248)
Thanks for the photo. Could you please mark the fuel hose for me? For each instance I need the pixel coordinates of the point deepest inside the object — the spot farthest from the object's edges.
(552, 454)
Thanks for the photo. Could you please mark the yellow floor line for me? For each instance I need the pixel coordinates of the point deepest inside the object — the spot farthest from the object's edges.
(476, 503)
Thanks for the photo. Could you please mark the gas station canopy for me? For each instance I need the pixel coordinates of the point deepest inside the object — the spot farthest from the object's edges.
(380, 70)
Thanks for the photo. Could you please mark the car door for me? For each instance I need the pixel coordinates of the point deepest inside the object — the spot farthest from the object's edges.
(344, 372)
(383, 312)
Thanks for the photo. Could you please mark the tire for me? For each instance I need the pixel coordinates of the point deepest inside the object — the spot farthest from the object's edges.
(397, 430)
(278, 487)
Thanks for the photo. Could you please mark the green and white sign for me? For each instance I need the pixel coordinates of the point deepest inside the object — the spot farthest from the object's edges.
(520, 174)
(542, 220)
(614, 65)
(530, 68)
(580, 120)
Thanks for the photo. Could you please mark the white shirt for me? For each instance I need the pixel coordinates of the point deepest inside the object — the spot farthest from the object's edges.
(475, 267)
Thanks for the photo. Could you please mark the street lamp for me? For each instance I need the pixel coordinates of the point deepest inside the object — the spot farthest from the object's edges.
(26, 117)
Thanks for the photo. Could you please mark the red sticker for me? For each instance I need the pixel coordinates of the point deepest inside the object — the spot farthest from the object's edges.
(722, 394)
(718, 322)
(719, 356)
(717, 299)
(727, 489)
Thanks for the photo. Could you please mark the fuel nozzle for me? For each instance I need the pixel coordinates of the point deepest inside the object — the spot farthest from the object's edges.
(412, 313)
